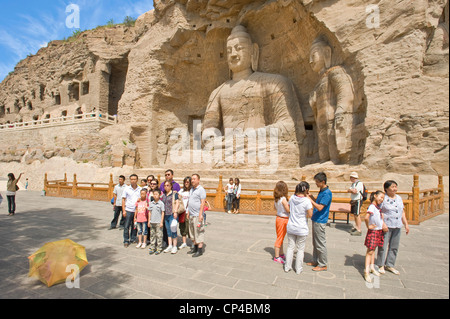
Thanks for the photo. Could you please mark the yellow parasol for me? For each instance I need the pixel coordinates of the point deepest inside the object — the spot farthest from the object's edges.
(50, 263)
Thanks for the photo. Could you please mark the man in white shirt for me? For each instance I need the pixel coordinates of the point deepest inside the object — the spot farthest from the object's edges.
(196, 205)
(117, 203)
(130, 196)
(356, 199)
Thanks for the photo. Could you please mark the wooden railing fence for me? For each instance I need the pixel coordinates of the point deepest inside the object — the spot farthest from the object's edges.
(420, 205)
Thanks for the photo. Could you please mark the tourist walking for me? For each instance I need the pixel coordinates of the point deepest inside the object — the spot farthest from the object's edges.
(182, 220)
(11, 189)
(237, 195)
(196, 204)
(393, 211)
(297, 228)
(280, 194)
(229, 189)
(356, 191)
(130, 196)
(375, 233)
(117, 203)
(155, 224)
(141, 219)
(171, 202)
(319, 219)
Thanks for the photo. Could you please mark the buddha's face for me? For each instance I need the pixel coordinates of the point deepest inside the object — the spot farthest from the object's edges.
(239, 54)
(316, 59)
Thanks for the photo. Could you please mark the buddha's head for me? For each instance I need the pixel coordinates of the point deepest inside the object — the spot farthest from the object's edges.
(320, 55)
(243, 54)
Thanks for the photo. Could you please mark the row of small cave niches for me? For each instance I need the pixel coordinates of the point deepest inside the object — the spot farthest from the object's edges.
(74, 91)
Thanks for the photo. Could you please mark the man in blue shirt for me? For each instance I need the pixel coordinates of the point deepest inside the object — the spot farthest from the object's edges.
(169, 177)
(319, 220)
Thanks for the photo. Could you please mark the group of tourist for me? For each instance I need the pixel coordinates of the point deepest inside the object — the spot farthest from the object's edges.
(153, 213)
(233, 195)
(384, 220)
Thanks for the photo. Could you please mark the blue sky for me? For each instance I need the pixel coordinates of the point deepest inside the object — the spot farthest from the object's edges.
(27, 25)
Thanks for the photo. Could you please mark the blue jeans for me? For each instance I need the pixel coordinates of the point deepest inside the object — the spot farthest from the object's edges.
(142, 228)
(168, 221)
(127, 232)
(11, 204)
(230, 200)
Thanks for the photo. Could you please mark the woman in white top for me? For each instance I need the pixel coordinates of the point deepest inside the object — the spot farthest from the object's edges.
(281, 205)
(394, 215)
(229, 189)
(237, 195)
(375, 233)
(182, 220)
(297, 227)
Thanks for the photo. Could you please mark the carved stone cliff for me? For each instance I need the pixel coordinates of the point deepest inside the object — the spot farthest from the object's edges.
(159, 75)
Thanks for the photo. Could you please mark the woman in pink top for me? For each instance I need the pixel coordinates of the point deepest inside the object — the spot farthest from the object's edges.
(141, 219)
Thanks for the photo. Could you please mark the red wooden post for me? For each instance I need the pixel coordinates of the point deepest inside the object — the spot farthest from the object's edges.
(45, 183)
(416, 199)
(74, 186)
(110, 187)
(218, 200)
(441, 192)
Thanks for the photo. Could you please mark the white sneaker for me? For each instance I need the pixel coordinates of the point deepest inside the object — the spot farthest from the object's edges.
(139, 245)
(174, 250)
(183, 245)
(143, 246)
(169, 248)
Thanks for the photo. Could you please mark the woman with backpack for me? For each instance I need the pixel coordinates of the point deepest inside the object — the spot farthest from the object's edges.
(11, 189)
(357, 193)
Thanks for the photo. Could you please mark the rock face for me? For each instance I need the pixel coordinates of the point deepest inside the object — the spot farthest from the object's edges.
(159, 75)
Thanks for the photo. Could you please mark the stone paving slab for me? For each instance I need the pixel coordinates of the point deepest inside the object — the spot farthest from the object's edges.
(237, 263)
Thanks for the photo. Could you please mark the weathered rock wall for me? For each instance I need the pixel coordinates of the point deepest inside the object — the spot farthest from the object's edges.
(407, 103)
(84, 145)
(399, 94)
(160, 74)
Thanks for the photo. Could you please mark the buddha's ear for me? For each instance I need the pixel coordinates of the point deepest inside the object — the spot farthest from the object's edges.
(255, 57)
(327, 52)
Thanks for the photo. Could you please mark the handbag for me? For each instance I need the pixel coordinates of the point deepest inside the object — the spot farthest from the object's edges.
(181, 209)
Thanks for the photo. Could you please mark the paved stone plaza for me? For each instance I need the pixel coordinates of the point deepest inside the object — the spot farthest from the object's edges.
(237, 262)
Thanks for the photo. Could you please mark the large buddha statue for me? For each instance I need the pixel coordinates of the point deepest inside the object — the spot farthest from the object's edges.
(332, 103)
(255, 100)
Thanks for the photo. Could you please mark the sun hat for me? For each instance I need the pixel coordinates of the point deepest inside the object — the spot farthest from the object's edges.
(354, 175)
